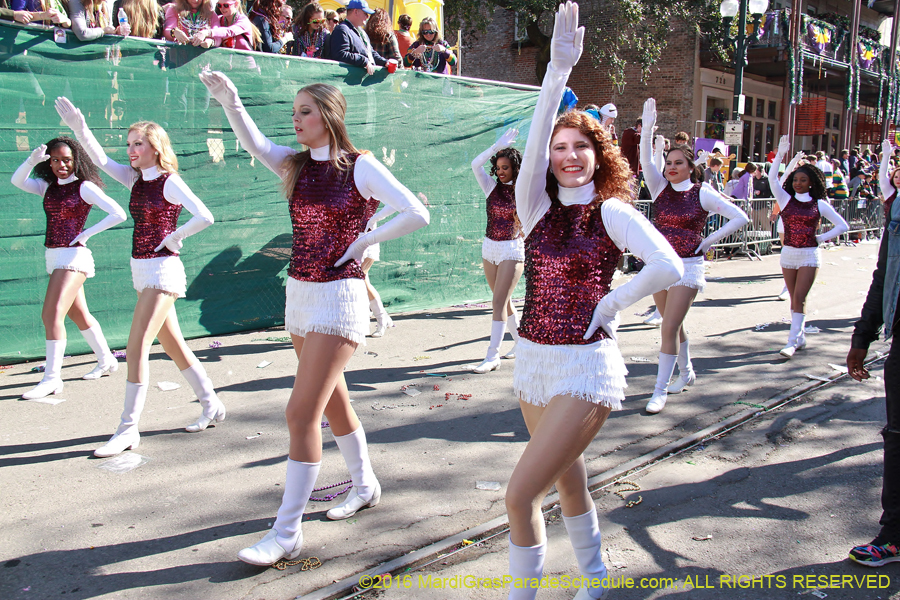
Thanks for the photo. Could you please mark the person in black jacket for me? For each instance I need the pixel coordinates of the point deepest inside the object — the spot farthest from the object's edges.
(349, 42)
(885, 547)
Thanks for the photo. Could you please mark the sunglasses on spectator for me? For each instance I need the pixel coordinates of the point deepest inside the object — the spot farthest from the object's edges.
(228, 3)
(316, 21)
(332, 20)
(428, 32)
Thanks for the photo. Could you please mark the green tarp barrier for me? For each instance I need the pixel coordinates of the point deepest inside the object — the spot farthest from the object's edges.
(425, 128)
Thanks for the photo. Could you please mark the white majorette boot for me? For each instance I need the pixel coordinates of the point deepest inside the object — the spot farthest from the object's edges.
(584, 533)
(798, 322)
(213, 409)
(492, 360)
(366, 491)
(285, 540)
(686, 375)
(785, 294)
(655, 319)
(666, 368)
(106, 362)
(127, 435)
(51, 382)
(382, 319)
(512, 325)
(525, 563)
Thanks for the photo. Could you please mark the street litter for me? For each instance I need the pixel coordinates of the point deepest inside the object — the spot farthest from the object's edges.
(640, 359)
(812, 329)
(838, 368)
(264, 364)
(376, 406)
(123, 463)
(761, 326)
(168, 386)
(437, 388)
(817, 378)
(489, 486)
(435, 406)
(38, 369)
(215, 345)
(701, 538)
(410, 391)
(119, 353)
(435, 374)
(254, 436)
(423, 357)
(48, 400)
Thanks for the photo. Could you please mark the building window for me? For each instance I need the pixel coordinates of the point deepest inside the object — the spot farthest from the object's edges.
(746, 142)
(772, 109)
(748, 106)
(837, 121)
(770, 138)
(760, 108)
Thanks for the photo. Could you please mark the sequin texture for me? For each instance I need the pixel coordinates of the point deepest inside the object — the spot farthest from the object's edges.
(66, 213)
(680, 218)
(327, 215)
(569, 265)
(154, 217)
(887, 208)
(801, 221)
(501, 214)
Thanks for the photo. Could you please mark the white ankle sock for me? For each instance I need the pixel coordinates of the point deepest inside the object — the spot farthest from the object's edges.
(298, 485)
(584, 533)
(56, 350)
(664, 374)
(95, 339)
(355, 451)
(525, 563)
(135, 398)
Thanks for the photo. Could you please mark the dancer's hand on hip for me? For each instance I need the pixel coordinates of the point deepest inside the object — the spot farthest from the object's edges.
(601, 319)
(172, 242)
(354, 252)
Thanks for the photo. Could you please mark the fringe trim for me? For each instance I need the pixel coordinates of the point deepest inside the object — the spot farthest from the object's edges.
(373, 252)
(595, 373)
(794, 258)
(338, 308)
(164, 273)
(694, 276)
(496, 252)
(73, 258)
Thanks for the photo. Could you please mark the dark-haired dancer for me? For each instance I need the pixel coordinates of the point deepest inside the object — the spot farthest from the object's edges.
(503, 249)
(158, 195)
(803, 204)
(683, 204)
(572, 197)
(330, 188)
(888, 179)
(70, 185)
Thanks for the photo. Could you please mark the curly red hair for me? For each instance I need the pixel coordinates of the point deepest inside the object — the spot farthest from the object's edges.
(613, 178)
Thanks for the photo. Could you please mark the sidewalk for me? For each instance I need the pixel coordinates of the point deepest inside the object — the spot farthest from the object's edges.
(171, 527)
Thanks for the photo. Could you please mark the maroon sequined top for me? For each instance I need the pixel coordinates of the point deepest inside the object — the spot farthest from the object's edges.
(327, 215)
(371, 209)
(887, 208)
(569, 265)
(680, 218)
(501, 214)
(154, 217)
(801, 221)
(66, 213)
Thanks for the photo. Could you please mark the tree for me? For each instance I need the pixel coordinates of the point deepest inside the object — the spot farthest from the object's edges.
(618, 33)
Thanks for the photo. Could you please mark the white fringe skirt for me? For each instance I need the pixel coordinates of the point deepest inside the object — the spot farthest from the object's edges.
(496, 252)
(165, 273)
(694, 276)
(794, 258)
(373, 252)
(594, 372)
(73, 258)
(334, 308)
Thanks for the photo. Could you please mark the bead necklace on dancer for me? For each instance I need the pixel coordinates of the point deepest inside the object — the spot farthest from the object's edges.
(157, 196)
(683, 204)
(573, 199)
(802, 202)
(330, 188)
(888, 179)
(70, 185)
(503, 249)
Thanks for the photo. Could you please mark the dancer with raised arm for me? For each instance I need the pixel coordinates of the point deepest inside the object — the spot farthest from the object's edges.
(503, 249)
(683, 203)
(70, 186)
(370, 257)
(157, 196)
(888, 179)
(573, 198)
(329, 189)
(801, 199)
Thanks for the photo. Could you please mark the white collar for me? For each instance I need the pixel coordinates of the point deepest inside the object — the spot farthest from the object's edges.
(320, 154)
(68, 179)
(682, 186)
(578, 195)
(510, 183)
(805, 197)
(150, 173)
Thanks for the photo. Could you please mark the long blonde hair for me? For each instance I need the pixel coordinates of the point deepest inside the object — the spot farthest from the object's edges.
(159, 140)
(143, 17)
(333, 107)
(184, 8)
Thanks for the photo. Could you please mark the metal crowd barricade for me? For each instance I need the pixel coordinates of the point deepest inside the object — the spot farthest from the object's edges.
(760, 235)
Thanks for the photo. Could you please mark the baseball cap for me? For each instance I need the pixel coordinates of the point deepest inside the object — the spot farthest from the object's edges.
(361, 5)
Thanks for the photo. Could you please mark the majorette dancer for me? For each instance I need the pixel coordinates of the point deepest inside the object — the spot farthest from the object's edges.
(157, 196)
(70, 185)
(370, 257)
(803, 204)
(503, 248)
(572, 199)
(329, 188)
(683, 204)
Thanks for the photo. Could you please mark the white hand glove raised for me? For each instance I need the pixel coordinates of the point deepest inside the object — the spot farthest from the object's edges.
(70, 115)
(568, 38)
(784, 145)
(649, 115)
(702, 157)
(172, 242)
(600, 319)
(886, 148)
(660, 143)
(354, 252)
(221, 88)
(507, 139)
(80, 240)
(38, 155)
